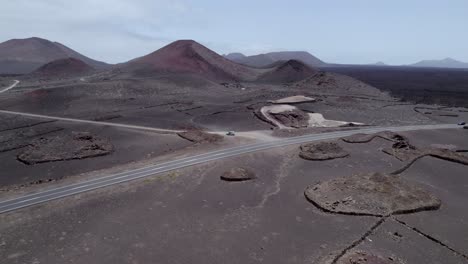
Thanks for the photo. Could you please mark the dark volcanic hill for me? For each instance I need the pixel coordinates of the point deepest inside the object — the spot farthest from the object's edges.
(287, 72)
(263, 60)
(188, 57)
(445, 63)
(19, 56)
(62, 68)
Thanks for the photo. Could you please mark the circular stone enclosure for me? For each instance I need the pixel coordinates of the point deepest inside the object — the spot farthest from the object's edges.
(322, 151)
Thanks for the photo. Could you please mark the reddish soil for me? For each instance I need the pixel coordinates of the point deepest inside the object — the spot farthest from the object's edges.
(63, 68)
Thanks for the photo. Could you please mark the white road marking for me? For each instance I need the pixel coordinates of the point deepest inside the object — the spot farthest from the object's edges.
(10, 87)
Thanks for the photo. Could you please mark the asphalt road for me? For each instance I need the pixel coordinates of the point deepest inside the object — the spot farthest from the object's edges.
(10, 87)
(56, 193)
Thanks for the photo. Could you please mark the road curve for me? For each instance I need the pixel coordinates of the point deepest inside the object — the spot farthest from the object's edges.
(10, 87)
(88, 185)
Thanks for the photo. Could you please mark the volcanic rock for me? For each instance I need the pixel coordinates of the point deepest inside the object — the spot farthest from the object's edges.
(293, 118)
(322, 151)
(371, 194)
(78, 145)
(238, 174)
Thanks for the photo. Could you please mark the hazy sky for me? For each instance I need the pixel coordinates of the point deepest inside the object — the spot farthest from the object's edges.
(342, 31)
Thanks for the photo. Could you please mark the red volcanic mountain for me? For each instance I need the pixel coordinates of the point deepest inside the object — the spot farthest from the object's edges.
(286, 72)
(62, 68)
(19, 56)
(189, 57)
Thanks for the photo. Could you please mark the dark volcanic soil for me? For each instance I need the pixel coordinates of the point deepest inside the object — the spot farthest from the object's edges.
(421, 85)
(268, 218)
(128, 146)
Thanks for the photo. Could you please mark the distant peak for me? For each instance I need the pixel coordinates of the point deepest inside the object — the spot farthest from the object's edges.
(235, 54)
(184, 42)
(294, 64)
(32, 39)
(449, 59)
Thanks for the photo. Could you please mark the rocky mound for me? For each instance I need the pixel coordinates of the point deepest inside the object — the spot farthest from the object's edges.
(293, 118)
(62, 68)
(322, 151)
(189, 57)
(238, 174)
(360, 257)
(199, 136)
(79, 145)
(372, 194)
(288, 72)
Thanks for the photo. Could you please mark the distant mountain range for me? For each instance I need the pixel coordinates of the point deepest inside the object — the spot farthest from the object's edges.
(267, 59)
(445, 63)
(19, 56)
